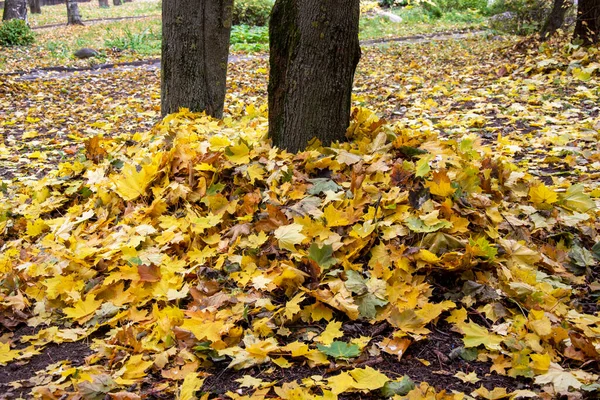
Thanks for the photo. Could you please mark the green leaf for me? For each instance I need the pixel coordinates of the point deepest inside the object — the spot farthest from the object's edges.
(401, 387)
(596, 251)
(355, 282)
(422, 167)
(340, 350)
(322, 255)
(321, 185)
(581, 257)
(574, 199)
(367, 305)
(417, 225)
(411, 151)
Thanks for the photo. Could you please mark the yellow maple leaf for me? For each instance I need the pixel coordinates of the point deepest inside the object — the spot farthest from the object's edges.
(495, 394)
(476, 335)
(134, 179)
(540, 323)
(440, 185)
(6, 354)
(467, 378)
(331, 332)
(292, 307)
(540, 363)
(368, 378)
(135, 368)
(35, 228)
(238, 154)
(289, 236)
(542, 196)
(191, 384)
(249, 381)
(340, 383)
(209, 330)
(82, 310)
(335, 217)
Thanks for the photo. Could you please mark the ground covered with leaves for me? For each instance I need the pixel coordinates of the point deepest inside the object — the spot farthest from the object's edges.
(448, 250)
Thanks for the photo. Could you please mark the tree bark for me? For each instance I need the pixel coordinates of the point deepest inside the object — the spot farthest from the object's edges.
(117, 2)
(103, 3)
(195, 49)
(73, 15)
(314, 51)
(35, 6)
(15, 9)
(588, 22)
(556, 18)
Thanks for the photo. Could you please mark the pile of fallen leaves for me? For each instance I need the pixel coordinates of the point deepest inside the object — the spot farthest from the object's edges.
(195, 258)
(198, 243)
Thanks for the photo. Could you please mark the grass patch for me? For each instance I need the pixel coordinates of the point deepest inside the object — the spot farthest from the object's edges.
(249, 38)
(416, 21)
(57, 14)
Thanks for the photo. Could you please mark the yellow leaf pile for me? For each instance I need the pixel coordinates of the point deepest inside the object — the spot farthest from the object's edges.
(197, 248)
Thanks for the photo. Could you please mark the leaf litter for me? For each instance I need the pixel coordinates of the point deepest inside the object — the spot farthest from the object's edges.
(458, 238)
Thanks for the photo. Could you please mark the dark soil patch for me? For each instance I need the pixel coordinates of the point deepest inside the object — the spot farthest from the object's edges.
(75, 352)
(435, 350)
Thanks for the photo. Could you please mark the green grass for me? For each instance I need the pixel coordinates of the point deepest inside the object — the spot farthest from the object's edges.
(249, 38)
(57, 14)
(416, 21)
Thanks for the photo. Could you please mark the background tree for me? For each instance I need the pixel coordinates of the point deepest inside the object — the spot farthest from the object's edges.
(117, 2)
(103, 3)
(195, 49)
(73, 15)
(556, 18)
(588, 21)
(15, 9)
(35, 6)
(314, 51)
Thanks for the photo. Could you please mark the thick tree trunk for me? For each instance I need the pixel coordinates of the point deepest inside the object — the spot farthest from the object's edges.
(103, 3)
(556, 18)
(15, 9)
(314, 52)
(195, 48)
(588, 22)
(35, 6)
(118, 2)
(73, 16)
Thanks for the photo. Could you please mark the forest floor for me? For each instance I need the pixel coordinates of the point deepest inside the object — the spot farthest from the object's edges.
(449, 249)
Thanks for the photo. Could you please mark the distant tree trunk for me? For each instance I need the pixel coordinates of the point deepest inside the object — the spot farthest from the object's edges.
(35, 7)
(588, 22)
(73, 16)
(556, 18)
(127, 1)
(195, 48)
(15, 9)
(103, 3)
(314, 51)
(118, 2)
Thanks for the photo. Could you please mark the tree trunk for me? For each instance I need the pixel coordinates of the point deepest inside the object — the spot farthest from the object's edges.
(314, 52)
(15, 9)
(73, 16)
(35, 6)
(117, 2)
(103, 3)
(588, 22)
(195, 49)
(555, 19)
